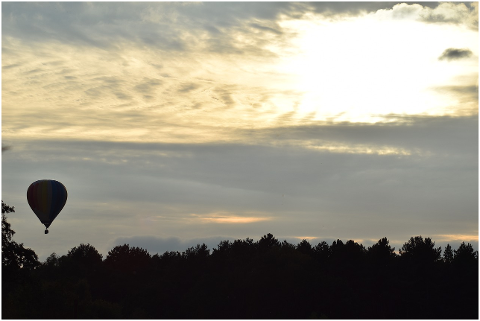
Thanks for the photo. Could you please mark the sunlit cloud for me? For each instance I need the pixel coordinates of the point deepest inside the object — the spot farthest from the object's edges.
(375, 80)
(444, 13)
(300, 74)
(308, 238)
(227, 218)
(456, 237)
(361, 149)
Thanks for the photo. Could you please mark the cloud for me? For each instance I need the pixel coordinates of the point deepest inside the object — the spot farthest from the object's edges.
(435, 12)
(197, 96)
(455, 54)
(119, 190)
(148, 85)
(345, 9)
(166, 26)
(457, 237)
(234, 28)
(455, 13)
(187, 87)
(465, 95)
(260, 27)
(228, 218)
(238, 178)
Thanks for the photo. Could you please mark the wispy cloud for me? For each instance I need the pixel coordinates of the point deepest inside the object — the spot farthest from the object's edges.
(443, 13)
(308, 238)
(456, 237)
(359, 149)
(228, 218)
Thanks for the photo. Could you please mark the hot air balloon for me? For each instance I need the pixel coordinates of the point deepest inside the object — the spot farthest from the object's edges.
(47, 198)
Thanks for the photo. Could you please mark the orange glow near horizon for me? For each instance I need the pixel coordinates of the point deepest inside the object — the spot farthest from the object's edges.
(308, 238)
(230, 219)
(458, 237)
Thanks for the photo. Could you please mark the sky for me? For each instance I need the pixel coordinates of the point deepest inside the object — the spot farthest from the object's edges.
(173, 124)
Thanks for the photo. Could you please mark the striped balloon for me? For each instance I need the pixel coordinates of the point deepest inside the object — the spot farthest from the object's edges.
(47, 198)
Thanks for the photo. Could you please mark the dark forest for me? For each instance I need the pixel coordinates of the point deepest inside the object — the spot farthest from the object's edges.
(242, 279)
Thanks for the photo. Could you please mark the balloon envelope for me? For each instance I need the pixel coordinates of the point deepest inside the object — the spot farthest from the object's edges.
(47, 198)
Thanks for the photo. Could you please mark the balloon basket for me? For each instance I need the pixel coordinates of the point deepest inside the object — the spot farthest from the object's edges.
(46, 231)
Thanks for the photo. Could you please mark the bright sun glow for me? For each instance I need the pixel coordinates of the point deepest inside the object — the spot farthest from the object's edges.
(360, 70)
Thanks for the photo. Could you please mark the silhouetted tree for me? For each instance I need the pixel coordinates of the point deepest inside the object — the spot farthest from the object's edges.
(448, 254)
(420, 250)
(7, 209)
(381, 252)
(15, 255)
(18, 264)
(342, 253)
(336, 248)
(127, 259)
(84, 259)
(85, 254)
(419, 269)
(243, 249)
(465, 254)
(129, 277)
(50, 269)
(243, 279)
(196, 252)
(223, 249)
(305, 247)
(8, 245)
(322, 251)
(354, 250)
(267, 241)
(52, 260)
(167, 257)
(287, 246)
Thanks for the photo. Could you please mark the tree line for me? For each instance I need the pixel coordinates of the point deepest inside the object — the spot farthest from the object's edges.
(242, 279)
